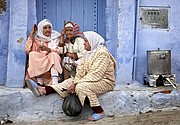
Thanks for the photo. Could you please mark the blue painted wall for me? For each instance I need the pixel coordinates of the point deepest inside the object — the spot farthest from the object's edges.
(17, 36)
(4, 29)
(151, 39)
(125, 33)
(121, 34)
(16, 25)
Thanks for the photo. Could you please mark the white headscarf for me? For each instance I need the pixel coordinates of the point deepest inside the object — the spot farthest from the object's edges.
(95, 41)
(40, 36)
(69, 25)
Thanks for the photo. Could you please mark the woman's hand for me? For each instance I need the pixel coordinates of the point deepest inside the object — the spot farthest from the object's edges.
(72, 55)
(33, 31)
(44, 48)
(63, 32)
(61, 42)
(71, 89)
(68, 54)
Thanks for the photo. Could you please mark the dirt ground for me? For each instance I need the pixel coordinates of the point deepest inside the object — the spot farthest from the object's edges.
(151, 118)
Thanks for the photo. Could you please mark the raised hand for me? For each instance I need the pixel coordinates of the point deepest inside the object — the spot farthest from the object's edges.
(63, 32)
(33, 31)
(61, 42)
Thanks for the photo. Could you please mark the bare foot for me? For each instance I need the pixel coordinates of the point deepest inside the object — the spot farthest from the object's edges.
(41, 90)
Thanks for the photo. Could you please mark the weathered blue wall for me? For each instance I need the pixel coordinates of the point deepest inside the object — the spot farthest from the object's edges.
(17, 35)
(32, 19)
(120, 34)
(4, 44)
(111, 26)
(125, 48)
(151, 39)
(15, 27)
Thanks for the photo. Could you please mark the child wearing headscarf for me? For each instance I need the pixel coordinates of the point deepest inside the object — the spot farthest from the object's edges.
(44, 63)
(73, 47)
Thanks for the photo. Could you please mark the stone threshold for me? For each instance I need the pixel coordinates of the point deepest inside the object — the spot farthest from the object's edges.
(20, 105)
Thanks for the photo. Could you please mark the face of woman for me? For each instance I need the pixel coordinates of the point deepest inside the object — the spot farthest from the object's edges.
(47, 30)
(87, 45)
(69, 32)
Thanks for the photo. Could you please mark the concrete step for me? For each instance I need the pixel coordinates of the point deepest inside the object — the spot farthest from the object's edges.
(18, 104)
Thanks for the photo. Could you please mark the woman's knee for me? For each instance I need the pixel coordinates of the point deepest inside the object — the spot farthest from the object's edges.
(32, 53)
(54, 54)
(80, 87)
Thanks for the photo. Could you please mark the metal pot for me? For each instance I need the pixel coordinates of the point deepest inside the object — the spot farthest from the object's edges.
(159, 62)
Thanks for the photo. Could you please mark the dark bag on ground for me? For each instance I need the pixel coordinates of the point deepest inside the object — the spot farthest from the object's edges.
(71, 105)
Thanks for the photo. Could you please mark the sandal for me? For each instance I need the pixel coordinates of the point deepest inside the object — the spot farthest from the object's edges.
(96, 117)
(33, 87)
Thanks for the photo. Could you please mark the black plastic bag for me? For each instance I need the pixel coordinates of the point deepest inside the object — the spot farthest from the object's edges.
(71, 105)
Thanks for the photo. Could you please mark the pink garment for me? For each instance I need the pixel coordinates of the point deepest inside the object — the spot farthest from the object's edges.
(40, 63)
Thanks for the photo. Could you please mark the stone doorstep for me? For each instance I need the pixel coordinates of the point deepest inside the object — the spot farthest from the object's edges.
(20, 104)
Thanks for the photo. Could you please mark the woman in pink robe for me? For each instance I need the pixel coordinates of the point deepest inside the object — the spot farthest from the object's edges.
(44, 64)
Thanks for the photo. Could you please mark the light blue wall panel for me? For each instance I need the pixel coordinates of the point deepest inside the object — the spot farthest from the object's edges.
(49, 11)
(88, 16)
(101, 29)
(125, 43)
(4, 44)
(17, 36)
(111, 26)
(77, 12)
(39, 10)
(63, 12)
(32, 19)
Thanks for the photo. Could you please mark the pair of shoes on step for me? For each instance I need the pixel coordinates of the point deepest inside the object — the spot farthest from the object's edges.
(33, 87)
(95, 117)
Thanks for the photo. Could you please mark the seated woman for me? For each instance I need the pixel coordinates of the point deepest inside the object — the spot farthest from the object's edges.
(73, 43)
(44, 63)
(95, 76)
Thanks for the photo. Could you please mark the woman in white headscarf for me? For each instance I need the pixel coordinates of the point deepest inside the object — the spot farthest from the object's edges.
(44, 63)
(95, 76)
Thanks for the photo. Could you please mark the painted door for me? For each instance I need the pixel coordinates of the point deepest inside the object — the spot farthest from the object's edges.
(157, 27)
(89, 14)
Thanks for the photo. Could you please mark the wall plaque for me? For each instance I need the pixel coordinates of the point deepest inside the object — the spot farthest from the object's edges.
(154, 17)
